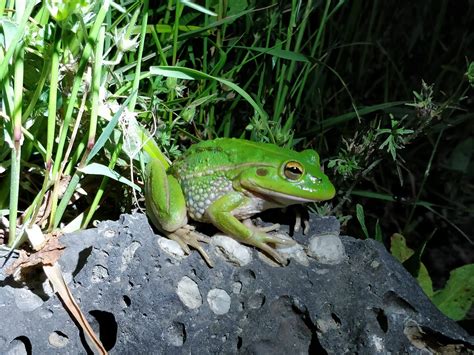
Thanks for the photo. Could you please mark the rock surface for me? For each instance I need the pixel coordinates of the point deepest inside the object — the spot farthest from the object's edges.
(349, 297)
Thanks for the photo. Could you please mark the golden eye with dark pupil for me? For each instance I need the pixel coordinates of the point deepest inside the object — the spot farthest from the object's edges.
(293, 170)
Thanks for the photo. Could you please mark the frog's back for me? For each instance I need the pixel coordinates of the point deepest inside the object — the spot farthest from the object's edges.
(234, 151)
(201, 158)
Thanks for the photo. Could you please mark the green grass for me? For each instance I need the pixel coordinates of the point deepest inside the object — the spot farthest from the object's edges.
(384, 93)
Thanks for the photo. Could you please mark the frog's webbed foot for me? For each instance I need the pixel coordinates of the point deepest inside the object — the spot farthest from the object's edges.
(264, 241)
(187, 236)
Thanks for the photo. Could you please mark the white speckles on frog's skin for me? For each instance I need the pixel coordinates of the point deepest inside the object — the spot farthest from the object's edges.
(200, 192)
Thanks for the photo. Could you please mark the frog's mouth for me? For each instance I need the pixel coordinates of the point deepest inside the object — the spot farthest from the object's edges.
(278, 198)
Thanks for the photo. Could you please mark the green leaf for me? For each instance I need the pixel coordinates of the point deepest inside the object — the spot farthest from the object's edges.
(455, 299)
(399, 248)
(461, 156)
(378, 232)
(7, 33)
(424, 280)
(371, 194)
(337, 120)
(202, 100)
(226, 20)
(236, 6)
(61, 10)
(279, 53)
(470, 74)
(385, 197)
(108, 130)
(162, 28)
(99, 169)
(198, 7)
(190, 74)
(361, 219)
(413, 263)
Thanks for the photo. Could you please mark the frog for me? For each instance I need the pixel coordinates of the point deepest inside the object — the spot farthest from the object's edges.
(226, 181)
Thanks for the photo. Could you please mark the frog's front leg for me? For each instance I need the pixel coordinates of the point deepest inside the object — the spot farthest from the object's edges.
(166, 207)
(221, 215)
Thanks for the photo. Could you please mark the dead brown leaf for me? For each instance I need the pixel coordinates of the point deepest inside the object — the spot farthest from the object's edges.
(49, 253)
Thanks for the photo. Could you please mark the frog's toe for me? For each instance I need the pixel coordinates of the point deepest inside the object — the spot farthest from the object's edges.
(274, 254)
(248, 223)
(187, 237)
(265, 241)
(279, 240)
(272, 228)
(178, 239)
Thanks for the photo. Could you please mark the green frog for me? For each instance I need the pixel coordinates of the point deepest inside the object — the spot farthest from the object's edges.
(225, 181)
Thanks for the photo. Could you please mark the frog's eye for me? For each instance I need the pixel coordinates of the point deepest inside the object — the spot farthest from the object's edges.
(293, 170)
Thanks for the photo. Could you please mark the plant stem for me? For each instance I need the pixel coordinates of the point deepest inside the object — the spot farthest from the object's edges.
(425, 177)
(100, 191)
(136, 79)
(16, 127)
(53, 97)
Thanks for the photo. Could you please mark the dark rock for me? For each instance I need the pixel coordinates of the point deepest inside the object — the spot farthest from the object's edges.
(127, 287)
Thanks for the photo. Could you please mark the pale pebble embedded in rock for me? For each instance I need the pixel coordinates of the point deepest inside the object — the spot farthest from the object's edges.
(219, 301)
(58, 339)
(327, 249)
(378, 344)
(26, 300)
(17, 347)
(99, 274)
(109, 233)
(232, 250)
(188, 293)
(48, 288)
(175, 334)
(171, 247)
(256, 301)
(102, 257)
(325, 325)
(375, 264)
(236, 287)
(128, 253)
(295, 252)
(46, 313)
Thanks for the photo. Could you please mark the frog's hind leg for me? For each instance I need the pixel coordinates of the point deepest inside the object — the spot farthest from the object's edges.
(187, 236)
(301, 219)
(164, 199)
